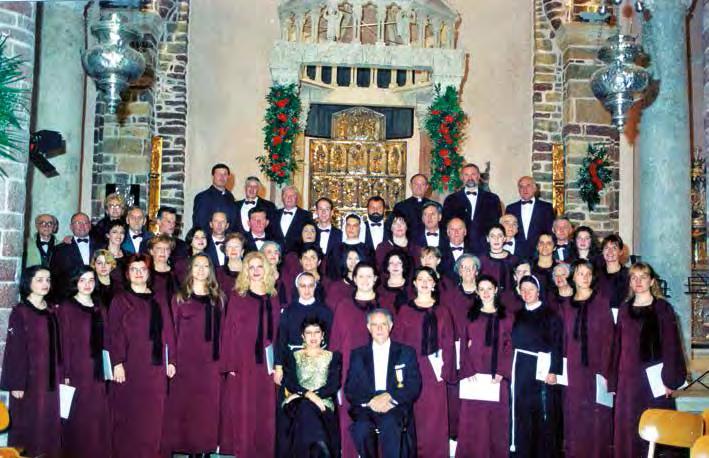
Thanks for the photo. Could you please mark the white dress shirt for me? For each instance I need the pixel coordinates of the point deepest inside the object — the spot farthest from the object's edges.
(287, 219)
(510, 248)
(245, 213)
(526, 212)
(377, 233)
(220, 254)
(259, 243)
(135, 241)
(457, 253)
(381, 364)
(473, 199)
(324, 237)
(433, 240)
(84, 249)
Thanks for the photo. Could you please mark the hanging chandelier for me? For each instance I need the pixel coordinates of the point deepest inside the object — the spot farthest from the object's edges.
(616, 84)
(603, 8)
(112, 63)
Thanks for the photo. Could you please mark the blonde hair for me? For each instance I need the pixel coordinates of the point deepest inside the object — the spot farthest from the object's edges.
(215, 294)
(242, 284)
(114, 196)
(107, 255)
(645, 268)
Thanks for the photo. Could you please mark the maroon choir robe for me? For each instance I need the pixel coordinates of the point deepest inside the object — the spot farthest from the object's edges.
(32, 364)
(85, 432)
(349, 331)
(588, 339)
(248, 405)
(393, 299)
(628, 377)
(192, 408)
(336, 292)
(486, 348)
(502, 270)
(164, 286)
(411, 250)
(137, 405)
(614, 286)
(226, 279)
(431, 408)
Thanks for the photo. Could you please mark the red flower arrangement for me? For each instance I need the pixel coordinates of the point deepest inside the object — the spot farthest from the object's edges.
(281, 128)
(594, 174)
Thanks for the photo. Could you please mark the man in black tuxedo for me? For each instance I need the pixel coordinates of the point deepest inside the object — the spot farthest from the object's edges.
(563, 230)
(218, 227)
(431, 234)
(383, 382)
(374, 231)
(251, 199)
(478, 208)
(216, 198)
(167, 223)
(259, 233)
(290, 219)
(456, 246)
(137, 236)
(70, 256)
(329, 238)
(412, 208)
(513, 243)
(534, 216)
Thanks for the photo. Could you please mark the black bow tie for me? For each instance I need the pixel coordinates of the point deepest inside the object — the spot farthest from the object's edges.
(219, 243)
(456, 248)
(287, 212)
(507, 244)
(44, 243)
(375, 224)
(432, 234)
(471, 193)
(82, 240)
(249, 202)
(138, 236)
(324, 230)
(525, 202)
(259, 239)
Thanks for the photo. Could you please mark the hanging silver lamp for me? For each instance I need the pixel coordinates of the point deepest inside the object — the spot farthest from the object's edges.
(112, 63)
(616, 84)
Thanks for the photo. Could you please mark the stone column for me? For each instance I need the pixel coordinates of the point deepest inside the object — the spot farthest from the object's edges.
(17, 19)
(664, 238)
(60, 83)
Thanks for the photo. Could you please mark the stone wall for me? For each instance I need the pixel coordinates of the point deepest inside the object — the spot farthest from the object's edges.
(17, 20)
(155, 105)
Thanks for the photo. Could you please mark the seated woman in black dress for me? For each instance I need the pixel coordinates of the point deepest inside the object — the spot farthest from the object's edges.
(311, 379)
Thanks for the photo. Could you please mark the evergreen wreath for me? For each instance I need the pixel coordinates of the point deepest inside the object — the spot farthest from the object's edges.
(12, 100)
(594, 174)
(444, 126)
(281, 128)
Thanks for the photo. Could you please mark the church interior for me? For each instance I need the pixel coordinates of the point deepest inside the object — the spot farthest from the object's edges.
(602, 102)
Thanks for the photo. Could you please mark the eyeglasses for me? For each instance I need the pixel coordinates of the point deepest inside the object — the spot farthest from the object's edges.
(138, 270)
(46, 223)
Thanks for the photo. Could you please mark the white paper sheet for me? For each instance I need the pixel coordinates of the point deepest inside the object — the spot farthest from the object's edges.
(269, 358)
(543, 366)
(436, 360)
(603, 397)
(654, 378)
(66, 396)
(480, 388)
(457, 355)
(167, 359)
(614, 311)
(107, 366)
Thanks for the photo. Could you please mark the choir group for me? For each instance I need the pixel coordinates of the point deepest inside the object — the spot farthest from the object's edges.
(272, 332)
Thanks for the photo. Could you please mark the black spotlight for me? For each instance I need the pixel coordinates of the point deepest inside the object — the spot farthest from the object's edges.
(44, 145)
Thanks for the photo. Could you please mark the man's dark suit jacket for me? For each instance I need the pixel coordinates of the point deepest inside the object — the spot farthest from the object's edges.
(269, 206)
(250, 244)
(368, 236)
(332, 242)
(211, 251)
(66, 259)
(127, 245)
(487, 212)
(412, 209)
(419, 238)
(293, 237)
(447, 265)
(542, 220)
(359, 387)
(208, 202)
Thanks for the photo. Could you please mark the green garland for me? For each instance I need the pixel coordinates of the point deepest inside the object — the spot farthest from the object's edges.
(444, 125)
(12, 100)
(594, 174)
(281, 128)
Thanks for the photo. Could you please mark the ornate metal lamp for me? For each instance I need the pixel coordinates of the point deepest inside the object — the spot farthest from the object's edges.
(112, 63)
(615, 84)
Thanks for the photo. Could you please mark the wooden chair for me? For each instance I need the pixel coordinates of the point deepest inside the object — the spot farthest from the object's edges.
(6, 452)
(700, 449)
(669, 427)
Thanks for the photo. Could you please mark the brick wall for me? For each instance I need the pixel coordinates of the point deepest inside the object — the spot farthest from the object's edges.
(17, 20)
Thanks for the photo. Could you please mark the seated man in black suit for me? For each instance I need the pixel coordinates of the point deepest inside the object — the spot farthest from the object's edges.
(412, 207)
(289, 220)
(69, 256)
(478, 208)
(431, 234)
(534, 216)
(167, 223)
(216, 198)
(252, 187)
(382, 384)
